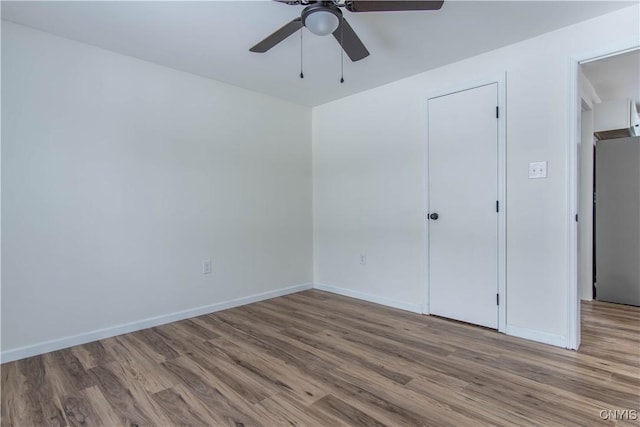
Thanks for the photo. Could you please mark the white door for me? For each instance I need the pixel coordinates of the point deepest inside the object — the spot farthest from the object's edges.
(463, 194)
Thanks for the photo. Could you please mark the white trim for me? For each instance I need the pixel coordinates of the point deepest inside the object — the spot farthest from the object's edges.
(501, 81)
(502, 196)
(530, 334)
(516, 331)
(426, 301)
(414, 308)
(573, 136)
(58, 344)
(609, 53)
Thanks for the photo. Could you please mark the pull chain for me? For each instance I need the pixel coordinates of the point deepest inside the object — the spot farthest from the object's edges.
(301, 73)
(342, 50)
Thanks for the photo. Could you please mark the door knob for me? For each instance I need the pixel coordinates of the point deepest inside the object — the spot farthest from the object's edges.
(434, 216)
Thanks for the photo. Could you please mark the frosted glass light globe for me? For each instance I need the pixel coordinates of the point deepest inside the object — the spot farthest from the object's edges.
(322, 23)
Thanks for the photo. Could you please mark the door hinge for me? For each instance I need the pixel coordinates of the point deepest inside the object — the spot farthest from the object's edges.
(497, 112)
(497, 299)
(497, 206)
(576, 217)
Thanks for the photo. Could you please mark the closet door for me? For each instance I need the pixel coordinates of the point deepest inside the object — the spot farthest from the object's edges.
(462, 196)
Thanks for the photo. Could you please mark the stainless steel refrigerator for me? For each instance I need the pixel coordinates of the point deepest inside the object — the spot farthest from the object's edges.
(617, 220)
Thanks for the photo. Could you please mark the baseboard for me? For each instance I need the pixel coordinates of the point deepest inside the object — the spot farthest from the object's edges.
(58, 344)
(532, 335)
(529, 334)
(414, 308)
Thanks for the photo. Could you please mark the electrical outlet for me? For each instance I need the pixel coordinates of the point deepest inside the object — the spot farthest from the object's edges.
(206, 266)
(363, 259)
(537, 170)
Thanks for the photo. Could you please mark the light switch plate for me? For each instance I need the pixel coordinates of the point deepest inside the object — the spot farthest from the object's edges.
(537, 170)
(206, 266)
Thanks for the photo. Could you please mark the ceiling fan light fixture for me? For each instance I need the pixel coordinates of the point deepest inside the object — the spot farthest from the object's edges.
(321, 21)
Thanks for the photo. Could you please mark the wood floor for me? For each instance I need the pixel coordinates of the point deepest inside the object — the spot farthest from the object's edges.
(317, 359)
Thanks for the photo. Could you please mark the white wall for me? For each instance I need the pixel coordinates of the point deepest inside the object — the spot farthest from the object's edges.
(120, 176)
(369, 169)
(0, 196)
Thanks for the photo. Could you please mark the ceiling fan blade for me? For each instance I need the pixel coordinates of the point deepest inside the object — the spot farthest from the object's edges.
(275, 38)
(350, 41)
(392, 5)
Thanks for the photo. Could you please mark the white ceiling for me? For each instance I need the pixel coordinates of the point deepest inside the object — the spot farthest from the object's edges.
(615, 77)
(212, 38)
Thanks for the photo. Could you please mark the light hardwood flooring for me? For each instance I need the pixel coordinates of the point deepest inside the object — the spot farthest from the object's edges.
(318, 359)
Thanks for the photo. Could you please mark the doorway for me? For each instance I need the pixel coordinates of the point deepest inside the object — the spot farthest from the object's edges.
(608, 77)
(465, 199)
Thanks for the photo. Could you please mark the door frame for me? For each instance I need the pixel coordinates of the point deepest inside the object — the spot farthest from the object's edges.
(501, 81)
(573, 138)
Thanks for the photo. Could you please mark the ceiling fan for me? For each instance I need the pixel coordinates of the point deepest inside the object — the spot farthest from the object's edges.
(325, 17)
